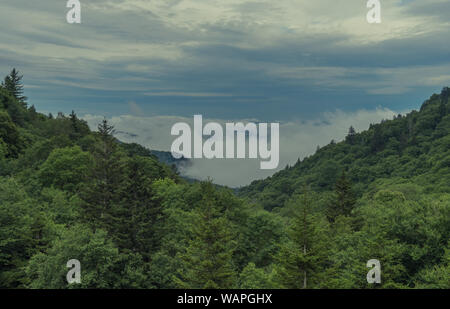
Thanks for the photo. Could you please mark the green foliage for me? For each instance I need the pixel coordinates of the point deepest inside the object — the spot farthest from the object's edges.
(66, 169)
(412, 147)
(23, 231)
(252, 277)
(345, 200)
(207, 261)
(13, 84)
(101, 264)
(302, 260)
(436, 276)
(260, 237)
(9, 135)
(69, 193)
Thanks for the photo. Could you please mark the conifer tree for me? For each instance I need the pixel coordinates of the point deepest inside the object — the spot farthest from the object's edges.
(351, 135)
(101, 194)
(302, 261)
(344, 201)
(207, 262)
(136, 214)
(74, 122)
(13, 83)
(9, 134)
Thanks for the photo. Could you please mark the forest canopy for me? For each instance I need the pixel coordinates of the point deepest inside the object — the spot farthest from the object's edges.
(67, 192)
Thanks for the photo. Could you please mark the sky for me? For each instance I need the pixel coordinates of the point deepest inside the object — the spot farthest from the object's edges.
(316, 67)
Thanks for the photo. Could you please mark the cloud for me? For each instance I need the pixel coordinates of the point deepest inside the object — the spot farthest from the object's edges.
(239, 58)
(186, 94)
(298, 139)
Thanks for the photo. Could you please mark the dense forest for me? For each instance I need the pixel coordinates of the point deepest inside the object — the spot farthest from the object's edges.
(67, 192)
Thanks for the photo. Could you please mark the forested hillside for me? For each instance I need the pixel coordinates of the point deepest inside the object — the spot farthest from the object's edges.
(411, 149)
(69, 193)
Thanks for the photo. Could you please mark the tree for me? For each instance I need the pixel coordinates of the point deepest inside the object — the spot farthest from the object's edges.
(351, 136)
(97, 255)
(10, 135)
(13, 83)
(377, 140)
(15, 233)
(137, 212)
(438, 276)
(345, 199)
(24, 230)
(207, 262)
(101, 193)
(260, 235)
(74, 123)
(302, 261)
(173, 230)
(66, 168)
(252, 277)
(79, 128)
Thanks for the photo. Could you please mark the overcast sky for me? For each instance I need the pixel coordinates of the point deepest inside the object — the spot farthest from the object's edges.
(292, 61)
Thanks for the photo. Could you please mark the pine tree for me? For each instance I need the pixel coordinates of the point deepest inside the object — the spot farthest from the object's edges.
(351, 136)
(136, 214)
(378, 140)
(10, 135)
(75, 126)
(445, 94)
(302, 261)
(13, 83)
(101, 194)
(344, 201)
(207, 262)
(32, 112)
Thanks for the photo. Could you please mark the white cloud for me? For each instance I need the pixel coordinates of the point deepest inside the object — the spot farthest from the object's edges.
(267, 19)
(186, 94)
(149, 46)
(297, 140)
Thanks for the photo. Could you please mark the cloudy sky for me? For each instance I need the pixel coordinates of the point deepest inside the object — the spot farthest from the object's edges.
(316, 67)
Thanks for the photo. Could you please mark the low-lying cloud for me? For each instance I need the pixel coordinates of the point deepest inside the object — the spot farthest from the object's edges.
(298, 139)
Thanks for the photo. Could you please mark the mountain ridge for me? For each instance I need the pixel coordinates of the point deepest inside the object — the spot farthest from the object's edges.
(398, 147)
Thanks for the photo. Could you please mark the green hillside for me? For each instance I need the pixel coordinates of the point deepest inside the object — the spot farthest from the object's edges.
(410, 149)
(69, 193)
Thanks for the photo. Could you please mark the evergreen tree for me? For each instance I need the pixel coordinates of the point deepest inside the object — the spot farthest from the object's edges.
(351, 136)
(138, 211)
(344, 201)
(252, 277)
(101, 194)
(13, 83)
(79, 128)
(9, 133)
(32, 112)
(302, 261)
(74, 124)
(207, 262)
(378, 140)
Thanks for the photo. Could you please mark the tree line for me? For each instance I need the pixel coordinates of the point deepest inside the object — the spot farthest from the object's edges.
(67, 192)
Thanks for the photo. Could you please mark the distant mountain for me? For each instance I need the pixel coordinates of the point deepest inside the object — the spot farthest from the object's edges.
(166, 157)
(162, 156)
(415, 147)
